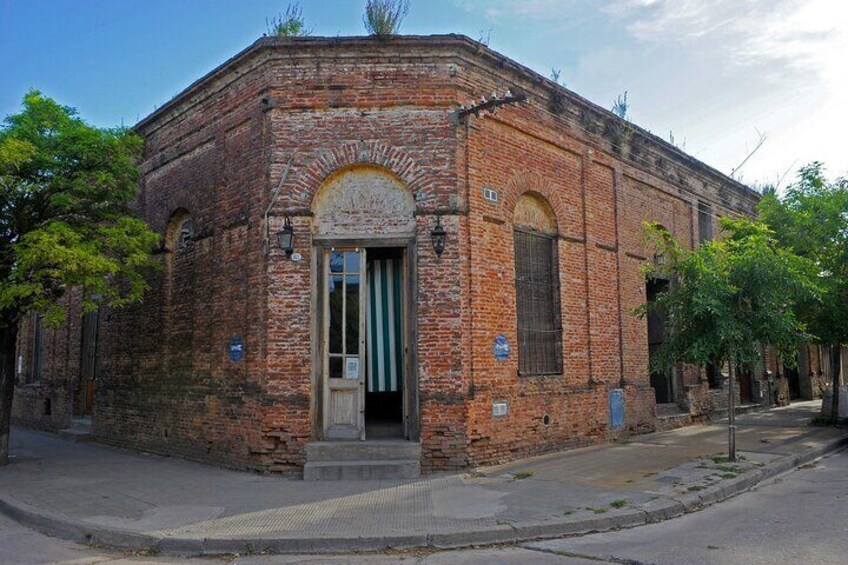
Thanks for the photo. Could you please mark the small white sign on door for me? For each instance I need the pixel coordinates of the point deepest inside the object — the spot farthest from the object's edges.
(352, 369)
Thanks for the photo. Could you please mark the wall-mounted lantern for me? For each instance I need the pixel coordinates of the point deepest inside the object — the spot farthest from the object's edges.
(285, 237)
(438, 235)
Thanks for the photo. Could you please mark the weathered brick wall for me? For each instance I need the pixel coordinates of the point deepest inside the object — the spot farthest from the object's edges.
(330, 107)
(603, 183)
(167, 383)
(48, 402)
(383, 111)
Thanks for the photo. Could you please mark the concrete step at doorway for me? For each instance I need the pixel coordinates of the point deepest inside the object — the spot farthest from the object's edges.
(670, 417)
(362, 460)
(80, 430)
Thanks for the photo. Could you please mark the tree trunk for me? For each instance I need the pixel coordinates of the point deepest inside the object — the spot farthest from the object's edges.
(8, 340)
(835, 368)
(731, 413)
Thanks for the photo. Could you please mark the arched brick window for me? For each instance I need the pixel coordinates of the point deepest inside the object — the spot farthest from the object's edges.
(180, 282)
(180, 234)
(537, 287)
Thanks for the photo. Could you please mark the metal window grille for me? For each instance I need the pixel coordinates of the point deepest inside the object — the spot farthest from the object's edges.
(537, 304)
(705, 222)
(89, 364)
(37, 346)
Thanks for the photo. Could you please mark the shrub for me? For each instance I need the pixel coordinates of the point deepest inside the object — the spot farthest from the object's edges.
(383, 17)
(290, 24)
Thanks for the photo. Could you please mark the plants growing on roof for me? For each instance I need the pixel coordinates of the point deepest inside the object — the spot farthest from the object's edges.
(383, 17)
(290, 24)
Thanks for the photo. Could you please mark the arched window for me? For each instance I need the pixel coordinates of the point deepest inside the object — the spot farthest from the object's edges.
(184, 236)
(537, 287)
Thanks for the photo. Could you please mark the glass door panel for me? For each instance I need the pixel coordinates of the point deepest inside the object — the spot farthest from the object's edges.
(344, 334)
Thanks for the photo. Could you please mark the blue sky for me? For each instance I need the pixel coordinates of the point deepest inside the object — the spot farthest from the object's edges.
(716, 73)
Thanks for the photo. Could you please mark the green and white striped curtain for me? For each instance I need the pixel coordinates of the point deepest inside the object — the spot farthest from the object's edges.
(385, 325)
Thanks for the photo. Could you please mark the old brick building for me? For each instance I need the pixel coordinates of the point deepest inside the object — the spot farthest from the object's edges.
(516, 339)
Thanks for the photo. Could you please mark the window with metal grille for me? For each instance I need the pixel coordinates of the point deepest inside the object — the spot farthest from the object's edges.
(37, 346)
(705, 222)
(537, 304)
(90, 362)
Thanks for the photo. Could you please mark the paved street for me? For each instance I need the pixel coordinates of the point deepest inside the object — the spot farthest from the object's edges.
(798, 518)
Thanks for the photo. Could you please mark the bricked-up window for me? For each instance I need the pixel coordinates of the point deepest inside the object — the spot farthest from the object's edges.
(537, 304)
(37, 347)
(705, 222)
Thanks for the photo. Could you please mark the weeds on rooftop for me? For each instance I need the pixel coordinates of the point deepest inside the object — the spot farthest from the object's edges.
(290, 24)
(383, 17)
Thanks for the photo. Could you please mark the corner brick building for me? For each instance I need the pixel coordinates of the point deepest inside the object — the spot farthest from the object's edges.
(517, 339)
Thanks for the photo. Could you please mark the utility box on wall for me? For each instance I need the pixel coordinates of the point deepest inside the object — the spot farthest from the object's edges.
(616, 408)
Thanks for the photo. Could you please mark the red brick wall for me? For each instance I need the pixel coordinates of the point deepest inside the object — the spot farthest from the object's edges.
(58, 384)
(219, 151)
(602, 190)
(167, 383)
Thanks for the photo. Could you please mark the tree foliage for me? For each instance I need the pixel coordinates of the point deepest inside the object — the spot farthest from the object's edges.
(65, 218)
(811, 219)
(66, 222)
(727, 297)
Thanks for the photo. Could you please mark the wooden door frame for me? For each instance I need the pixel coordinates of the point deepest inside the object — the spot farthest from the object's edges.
(410, 380)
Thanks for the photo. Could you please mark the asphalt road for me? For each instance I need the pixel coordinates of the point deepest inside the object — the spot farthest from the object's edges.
(799, 518)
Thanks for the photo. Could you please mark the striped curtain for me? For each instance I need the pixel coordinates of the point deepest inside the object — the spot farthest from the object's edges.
(385, 325)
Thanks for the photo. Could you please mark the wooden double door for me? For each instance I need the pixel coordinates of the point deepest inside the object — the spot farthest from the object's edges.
(364, 333)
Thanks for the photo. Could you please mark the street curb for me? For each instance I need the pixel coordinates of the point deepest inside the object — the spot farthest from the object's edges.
(658, 510)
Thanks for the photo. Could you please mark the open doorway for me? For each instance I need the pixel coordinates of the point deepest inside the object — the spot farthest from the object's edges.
(365, 343)
(661, 381)
(385, 350)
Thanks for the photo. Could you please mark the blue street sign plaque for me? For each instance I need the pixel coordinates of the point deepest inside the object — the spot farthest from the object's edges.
(236, 348)
(501, 348)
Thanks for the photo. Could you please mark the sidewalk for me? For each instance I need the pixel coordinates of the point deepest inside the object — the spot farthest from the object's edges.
(116, 497)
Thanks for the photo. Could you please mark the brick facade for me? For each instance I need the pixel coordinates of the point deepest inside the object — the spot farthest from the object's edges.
(347, 114)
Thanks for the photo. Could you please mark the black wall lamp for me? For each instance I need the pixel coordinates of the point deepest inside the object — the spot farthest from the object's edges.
(285, 237)
(438, 234)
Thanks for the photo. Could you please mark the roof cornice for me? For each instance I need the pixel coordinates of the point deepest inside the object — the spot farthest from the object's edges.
(457, 43)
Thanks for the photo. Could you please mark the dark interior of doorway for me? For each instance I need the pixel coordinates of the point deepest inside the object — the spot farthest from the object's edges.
(384, 409)
(746, 385)
(794, 381)
(660, 380)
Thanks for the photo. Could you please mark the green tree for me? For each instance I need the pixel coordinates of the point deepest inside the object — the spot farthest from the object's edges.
(727, 298)
(66, 222)
(811, 218)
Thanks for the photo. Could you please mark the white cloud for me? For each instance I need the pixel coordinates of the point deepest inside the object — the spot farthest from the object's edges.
(512, 9)
(789, 52)
(713, 70)
(801, 34)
